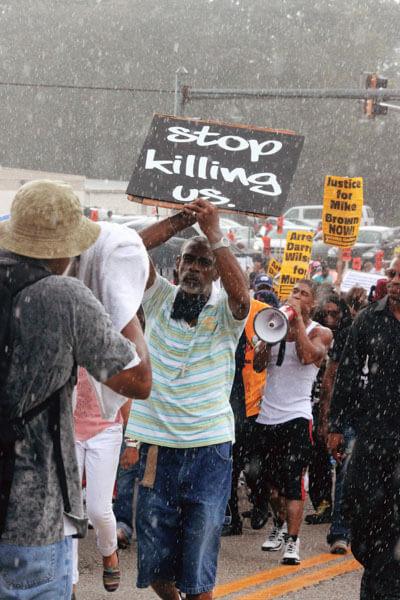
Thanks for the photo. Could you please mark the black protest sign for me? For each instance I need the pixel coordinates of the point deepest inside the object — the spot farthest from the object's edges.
(237, 168)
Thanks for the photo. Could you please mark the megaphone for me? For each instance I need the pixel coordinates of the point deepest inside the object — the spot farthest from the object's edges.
(271, 324)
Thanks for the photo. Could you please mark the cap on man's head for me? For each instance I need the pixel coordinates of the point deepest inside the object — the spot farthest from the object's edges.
(267, 296)
(263, 282)
(46, 221)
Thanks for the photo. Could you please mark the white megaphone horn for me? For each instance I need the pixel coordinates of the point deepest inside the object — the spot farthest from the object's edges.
(271, 324)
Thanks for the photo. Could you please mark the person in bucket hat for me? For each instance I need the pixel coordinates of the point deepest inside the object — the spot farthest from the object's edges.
(56, 324)
(47, 222)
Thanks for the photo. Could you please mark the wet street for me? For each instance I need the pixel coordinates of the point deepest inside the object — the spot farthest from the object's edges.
(245, 572)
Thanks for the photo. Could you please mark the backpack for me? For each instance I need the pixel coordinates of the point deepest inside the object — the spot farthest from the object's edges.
(13, 279)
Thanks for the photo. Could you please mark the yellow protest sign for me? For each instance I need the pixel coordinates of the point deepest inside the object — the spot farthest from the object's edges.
(274, 266)
(342, 211)
(295, 260)
(396, 251)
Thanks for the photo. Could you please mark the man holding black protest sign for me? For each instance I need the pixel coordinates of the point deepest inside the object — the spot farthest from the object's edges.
(186, 427)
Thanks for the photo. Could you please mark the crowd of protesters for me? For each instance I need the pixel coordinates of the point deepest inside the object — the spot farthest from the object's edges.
(177, 400)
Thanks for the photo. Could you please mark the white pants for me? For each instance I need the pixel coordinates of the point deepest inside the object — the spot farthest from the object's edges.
(99, 457)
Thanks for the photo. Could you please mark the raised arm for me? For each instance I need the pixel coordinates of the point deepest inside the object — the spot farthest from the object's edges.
(312, 348)
(159, 233)
(230, 271)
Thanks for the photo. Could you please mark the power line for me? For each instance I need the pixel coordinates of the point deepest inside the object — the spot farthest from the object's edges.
(85, 87)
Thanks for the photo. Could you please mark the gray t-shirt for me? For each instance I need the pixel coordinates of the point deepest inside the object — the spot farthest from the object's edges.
(59, 322)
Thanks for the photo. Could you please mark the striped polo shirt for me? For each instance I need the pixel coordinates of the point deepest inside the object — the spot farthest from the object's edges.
(193, 369)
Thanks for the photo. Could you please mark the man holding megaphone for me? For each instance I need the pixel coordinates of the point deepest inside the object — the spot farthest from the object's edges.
(285, 419)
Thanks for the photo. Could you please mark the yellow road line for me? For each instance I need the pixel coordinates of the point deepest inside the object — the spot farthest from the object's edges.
(303, 581)
(240, 584)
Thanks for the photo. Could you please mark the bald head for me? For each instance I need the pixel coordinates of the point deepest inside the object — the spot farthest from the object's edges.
(198, 241)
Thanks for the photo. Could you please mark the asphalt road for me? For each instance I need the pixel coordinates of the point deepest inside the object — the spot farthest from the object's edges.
(245, 572)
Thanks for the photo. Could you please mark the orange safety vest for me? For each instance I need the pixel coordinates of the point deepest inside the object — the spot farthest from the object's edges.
(253, 382)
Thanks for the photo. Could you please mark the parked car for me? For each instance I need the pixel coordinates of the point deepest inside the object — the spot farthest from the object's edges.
(278, 240)
(383, 240)
(312, 213)
(370, 240)
(244, 236)
(164, 256)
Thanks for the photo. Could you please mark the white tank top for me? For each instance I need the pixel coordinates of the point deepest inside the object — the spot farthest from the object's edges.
(287, 392)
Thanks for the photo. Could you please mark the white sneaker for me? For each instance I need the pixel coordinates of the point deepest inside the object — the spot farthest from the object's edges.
(291, 555)
(276, 539)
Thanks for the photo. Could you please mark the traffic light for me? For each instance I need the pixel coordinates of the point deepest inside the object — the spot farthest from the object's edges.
(372, 106)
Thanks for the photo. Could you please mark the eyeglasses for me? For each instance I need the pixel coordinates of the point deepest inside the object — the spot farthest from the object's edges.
(330, 313)
(202, 261)
(391, 273)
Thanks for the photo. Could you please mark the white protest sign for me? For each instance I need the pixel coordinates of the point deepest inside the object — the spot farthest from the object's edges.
(359, 278)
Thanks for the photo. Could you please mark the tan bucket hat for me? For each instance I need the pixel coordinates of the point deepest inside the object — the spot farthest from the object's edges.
(46, 221)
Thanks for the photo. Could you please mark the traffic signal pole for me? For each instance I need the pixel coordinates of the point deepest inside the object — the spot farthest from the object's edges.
(391, 106)
(184, 94)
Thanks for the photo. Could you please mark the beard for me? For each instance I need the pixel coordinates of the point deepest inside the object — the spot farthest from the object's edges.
(188, 306)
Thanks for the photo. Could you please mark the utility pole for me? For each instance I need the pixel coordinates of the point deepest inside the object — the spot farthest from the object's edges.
(180, 95)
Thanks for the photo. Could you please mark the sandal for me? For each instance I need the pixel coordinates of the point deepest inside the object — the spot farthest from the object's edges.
(111, 578)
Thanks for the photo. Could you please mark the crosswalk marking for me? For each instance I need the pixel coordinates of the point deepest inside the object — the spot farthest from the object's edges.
(303, 581)
(271, 574)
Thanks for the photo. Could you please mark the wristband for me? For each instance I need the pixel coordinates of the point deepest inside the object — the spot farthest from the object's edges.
(132, 443)
(222, 243)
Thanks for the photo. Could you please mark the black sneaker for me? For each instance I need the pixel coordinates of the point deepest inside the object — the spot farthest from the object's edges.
(258, 518)
(232, 529)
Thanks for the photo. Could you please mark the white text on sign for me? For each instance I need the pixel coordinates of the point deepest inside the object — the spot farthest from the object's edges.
(203, 168)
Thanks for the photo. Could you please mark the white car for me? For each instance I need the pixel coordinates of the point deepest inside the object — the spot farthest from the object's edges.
(312, 213)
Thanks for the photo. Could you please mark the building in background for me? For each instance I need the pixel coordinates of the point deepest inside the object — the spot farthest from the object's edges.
(103, 194)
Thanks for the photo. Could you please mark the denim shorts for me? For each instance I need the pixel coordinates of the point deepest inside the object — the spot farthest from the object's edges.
(43, 572)
(182, 499)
